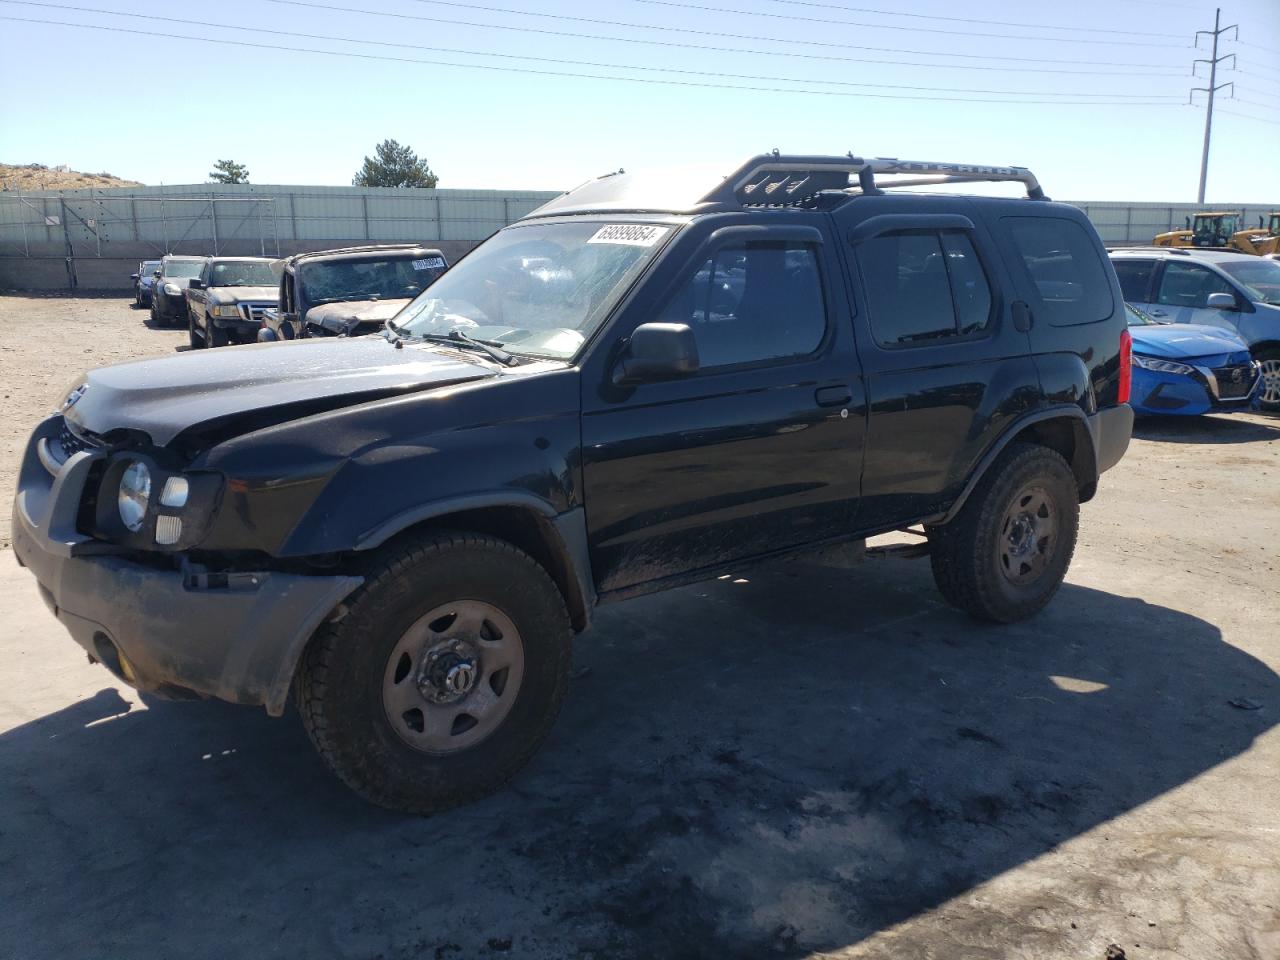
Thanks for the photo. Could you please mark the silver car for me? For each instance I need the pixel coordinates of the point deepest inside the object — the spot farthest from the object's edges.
(1218, 288)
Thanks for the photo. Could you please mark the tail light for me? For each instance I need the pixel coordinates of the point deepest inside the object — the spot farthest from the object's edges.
(1126, 366)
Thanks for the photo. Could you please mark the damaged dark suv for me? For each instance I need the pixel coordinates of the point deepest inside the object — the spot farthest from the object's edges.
(348, 292)
(639, 385)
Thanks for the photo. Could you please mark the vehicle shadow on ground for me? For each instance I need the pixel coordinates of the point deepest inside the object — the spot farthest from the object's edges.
(766, 765)
(1208, 429)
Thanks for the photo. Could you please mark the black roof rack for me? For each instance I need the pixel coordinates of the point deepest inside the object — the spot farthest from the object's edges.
(781, 180)
(770, 180)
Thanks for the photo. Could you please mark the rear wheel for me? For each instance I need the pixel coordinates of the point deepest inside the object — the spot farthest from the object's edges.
(1269, 392)
(1003, 557)
(443, 677)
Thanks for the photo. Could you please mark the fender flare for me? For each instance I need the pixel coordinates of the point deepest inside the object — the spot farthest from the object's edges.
(1014, 429)
(565, 533)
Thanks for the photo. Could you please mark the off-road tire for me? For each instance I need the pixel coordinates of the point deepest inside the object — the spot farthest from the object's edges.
(198, 342)
(1270, 358)
(966, 553)
(339, 685)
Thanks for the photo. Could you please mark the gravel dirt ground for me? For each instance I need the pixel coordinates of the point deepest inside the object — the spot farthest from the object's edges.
(799, 761)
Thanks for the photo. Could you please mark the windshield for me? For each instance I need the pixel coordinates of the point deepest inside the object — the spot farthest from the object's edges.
(1137, 318)
(1260, 278)
(387, 278)
(242, 273)
(183, 268)
(149, 267)
(541, 289)
(1216, 226)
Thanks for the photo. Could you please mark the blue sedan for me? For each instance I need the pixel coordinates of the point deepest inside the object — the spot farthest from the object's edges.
(142, 281)
(1189, 369)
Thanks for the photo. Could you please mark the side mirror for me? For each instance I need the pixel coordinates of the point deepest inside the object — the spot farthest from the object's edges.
(196, 284)
(1221, 301)
(657, 351)
(156, 274)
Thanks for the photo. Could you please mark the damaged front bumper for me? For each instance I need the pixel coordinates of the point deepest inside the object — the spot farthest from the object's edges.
(170, 628)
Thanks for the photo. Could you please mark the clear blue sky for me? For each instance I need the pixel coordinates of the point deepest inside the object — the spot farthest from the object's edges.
(161, 109)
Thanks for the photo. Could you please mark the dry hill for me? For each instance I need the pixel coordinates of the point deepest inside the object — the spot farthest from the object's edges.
(36, 176)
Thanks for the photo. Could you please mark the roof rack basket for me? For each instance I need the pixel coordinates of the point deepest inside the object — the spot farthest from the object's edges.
(780, 180)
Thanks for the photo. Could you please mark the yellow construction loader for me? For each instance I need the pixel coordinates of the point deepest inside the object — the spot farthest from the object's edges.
(1264, 241)
(1216, 229)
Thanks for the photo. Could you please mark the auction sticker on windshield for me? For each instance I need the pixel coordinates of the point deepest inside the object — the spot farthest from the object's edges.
(630, 234)
(429, 263)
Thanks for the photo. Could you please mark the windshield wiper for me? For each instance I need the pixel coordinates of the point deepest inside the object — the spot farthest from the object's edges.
(491, 347)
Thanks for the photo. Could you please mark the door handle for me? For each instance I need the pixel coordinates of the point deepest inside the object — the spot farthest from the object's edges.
(833, 396)
(1021, 316)
(1158, 313)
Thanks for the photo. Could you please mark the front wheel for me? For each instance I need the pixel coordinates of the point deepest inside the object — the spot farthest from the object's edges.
(444, 675)
(214, 335)
(1269, 394)
(1003, 557)
(198, 342)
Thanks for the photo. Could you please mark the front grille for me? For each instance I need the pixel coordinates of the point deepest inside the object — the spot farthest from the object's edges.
(1234, 381)
(72, 442)
(254, 312)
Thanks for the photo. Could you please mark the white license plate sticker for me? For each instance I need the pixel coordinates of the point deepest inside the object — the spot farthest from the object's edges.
(630, 234)
(430, 263)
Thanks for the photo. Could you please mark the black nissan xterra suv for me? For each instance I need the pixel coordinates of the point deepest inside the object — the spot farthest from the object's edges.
(636, 386)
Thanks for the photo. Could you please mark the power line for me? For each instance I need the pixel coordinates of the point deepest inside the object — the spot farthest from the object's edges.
(1258, 46)
(722, 9)
(1262, 66)
(1246, 116)
(973, 20)
(587, 63)
(132, 31)
(876, 26)
(1254, 103)
(774, 53)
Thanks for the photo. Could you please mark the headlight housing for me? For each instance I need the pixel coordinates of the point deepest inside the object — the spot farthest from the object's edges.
(133, 496)
(1161, 366)
(144, 500)
(227, 310)
(172, 289)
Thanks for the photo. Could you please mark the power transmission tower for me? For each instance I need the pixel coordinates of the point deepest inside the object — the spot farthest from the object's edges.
(1212, 88)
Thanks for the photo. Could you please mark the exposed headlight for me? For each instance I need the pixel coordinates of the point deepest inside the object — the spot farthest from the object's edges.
(172, 289)
(134, 495)
(228, 310)
(1161, 366)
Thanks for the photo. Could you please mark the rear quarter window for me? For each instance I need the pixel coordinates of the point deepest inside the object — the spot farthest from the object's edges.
(1070, 282)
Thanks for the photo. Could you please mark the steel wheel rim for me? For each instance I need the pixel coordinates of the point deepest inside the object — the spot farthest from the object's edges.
(453, 677)
(1028, 535)
(1270, 380)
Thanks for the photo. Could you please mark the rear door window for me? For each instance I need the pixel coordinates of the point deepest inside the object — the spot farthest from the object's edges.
(1189, 285)
(922, 287)
(1070, 282)
(1135, 278)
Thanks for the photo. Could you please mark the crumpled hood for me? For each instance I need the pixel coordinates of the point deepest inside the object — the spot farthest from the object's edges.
(166, 396)
(243, 294)
(1177, 341)
(336, 316)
